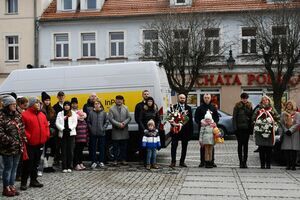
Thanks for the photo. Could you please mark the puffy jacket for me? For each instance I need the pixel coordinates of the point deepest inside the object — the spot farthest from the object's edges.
(97, 123)
(12, 134)
(60, 123)
(36, 127)
(206, 135)
(242, 114)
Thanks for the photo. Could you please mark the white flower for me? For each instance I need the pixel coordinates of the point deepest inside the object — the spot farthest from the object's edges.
(269, 120)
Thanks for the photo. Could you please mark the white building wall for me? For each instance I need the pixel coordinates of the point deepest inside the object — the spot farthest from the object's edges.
(230, 33)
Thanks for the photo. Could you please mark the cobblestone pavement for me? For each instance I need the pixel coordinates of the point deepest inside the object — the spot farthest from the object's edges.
(134, 182)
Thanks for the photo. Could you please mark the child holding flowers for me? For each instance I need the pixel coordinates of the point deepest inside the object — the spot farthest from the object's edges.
(206, 137)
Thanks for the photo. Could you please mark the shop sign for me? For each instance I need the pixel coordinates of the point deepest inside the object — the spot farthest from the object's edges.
(237, 79)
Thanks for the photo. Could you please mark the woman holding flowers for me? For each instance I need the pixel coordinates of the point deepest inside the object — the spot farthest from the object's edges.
(265, 120)
(290, 121)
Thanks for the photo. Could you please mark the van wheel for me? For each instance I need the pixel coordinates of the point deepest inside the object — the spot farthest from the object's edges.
(109, 152)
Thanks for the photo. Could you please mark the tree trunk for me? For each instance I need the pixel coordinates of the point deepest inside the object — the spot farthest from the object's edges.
(277, 96)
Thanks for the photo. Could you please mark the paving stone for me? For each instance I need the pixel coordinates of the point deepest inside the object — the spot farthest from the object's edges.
(273, 193)
(207, 197)
(279, 186)
(210, 191)
(227, 181)
(199, 184)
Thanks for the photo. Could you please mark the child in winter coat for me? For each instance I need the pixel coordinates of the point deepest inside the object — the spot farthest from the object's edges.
(81, 139)
(151, 142)
(206, 138)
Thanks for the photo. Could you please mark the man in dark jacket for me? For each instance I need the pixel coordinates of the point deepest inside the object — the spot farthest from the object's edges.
(59, 105)
(199, 115)
(89, 106)
(241, 119)
(184, 134)
(37, 133)
(137, 112)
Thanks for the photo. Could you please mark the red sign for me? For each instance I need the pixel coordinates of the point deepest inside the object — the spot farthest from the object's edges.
(235, 79)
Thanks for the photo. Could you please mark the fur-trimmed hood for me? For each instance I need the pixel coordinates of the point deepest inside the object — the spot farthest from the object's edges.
(147, 107)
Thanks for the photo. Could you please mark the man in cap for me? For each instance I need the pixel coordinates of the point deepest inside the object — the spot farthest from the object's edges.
(37, 133)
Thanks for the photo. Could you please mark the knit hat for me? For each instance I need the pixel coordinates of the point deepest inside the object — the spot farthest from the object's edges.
(45, 96)
(8, 100)
(32, 101)
(81, 115)
(151, 122)
(74, 100)
(14, 95)
(67, 103)
(208, 115)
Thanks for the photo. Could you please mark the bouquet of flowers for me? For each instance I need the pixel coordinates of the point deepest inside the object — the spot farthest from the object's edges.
(264, 127)
(218, 136)
(176, 119)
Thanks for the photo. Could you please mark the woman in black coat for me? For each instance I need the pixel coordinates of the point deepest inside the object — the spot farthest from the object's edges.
(148, 112)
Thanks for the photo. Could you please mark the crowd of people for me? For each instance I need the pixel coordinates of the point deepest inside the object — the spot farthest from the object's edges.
(35, 136)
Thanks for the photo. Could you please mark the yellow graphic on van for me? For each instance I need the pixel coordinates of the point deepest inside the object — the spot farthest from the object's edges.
(131, 98)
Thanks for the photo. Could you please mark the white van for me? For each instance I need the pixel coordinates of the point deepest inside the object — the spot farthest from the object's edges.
(107, 80)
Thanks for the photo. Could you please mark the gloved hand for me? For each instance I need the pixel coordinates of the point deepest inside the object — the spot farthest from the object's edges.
(288, 133)
(67, 130)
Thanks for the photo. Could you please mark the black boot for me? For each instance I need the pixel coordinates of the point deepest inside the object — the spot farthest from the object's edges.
(35, 183)
(209, 164)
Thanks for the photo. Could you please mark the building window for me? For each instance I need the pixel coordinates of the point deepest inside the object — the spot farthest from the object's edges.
(88, 41)
(212, 41)
(12, 6)
(116, 44)
(61, 45)
(91, 4)
(150, 43)
(67, 4)
(12, 43)
(248, 40)
(180, 1)
(279, 38)
(181, 42)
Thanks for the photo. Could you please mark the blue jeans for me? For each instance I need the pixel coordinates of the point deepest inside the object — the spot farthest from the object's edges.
(120, 150)
(97, 142)
(151, 156)
(10, 169)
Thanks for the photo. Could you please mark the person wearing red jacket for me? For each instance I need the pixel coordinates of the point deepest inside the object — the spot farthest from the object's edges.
(37, 133)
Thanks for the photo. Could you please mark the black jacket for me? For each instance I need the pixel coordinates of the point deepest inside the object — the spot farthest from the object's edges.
(186, 131)
(57, 108)
(88, 107)
(201, 111)
(147, 114)
(137, 111)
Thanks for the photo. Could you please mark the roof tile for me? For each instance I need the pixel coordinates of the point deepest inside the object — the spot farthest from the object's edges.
(117, 8)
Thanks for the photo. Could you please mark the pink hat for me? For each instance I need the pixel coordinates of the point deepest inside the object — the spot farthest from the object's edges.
(81, 115)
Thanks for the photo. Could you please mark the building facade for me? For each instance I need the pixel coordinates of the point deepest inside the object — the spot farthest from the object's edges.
(17, 33)
(79, 32)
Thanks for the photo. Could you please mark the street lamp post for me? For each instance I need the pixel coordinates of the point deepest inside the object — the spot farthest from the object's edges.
(230, 60)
